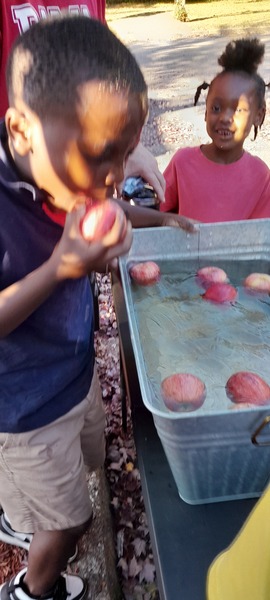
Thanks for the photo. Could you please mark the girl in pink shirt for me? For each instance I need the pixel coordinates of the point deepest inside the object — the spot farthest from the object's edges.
(220, 181)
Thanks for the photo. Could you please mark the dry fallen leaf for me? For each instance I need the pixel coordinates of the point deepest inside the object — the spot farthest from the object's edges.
(133, 547)
(148, 572)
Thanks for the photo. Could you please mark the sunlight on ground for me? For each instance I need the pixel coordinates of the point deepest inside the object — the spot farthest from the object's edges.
(208, 17)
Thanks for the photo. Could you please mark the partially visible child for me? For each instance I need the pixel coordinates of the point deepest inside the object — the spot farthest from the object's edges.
(220, 181)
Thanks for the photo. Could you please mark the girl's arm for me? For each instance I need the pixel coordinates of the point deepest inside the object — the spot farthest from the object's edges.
(148, 217)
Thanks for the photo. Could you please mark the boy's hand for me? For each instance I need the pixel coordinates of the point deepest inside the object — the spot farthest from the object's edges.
(74, 257)
(110, 259)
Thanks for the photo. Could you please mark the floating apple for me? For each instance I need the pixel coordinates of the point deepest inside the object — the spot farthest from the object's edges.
(258, 282)
(220, 292)
(183, 392)
(242, 405)
(208, 275)
(145, 273)
(104, 220)
(246, 387)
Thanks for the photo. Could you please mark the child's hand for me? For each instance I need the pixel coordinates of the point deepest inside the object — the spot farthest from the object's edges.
(110, 258)
(142, 163)
(171, 220)
(75, 257)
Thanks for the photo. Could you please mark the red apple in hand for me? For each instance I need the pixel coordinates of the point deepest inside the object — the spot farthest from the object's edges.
(246, 387)
(208, 275)
(183, 392)
(220, 292)
(104, 221)
(258, 282)
(145, 273)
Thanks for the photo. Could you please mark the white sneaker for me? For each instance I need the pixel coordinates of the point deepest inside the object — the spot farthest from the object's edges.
(72, 587)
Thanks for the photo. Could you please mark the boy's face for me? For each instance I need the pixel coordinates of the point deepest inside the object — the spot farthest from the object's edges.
(231, 110)
(73, 161)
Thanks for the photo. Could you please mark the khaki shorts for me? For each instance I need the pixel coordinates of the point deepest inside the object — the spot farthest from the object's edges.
(42, 472)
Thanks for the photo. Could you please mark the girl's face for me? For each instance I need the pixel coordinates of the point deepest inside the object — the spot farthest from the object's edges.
(231, 111)
(86, 158)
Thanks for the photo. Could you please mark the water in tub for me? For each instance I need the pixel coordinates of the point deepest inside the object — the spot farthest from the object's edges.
(179, 331)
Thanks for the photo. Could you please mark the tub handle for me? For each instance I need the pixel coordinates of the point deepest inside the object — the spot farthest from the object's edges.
(258, 431)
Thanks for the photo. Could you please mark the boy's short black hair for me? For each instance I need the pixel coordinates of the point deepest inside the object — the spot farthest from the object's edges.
(50, 60)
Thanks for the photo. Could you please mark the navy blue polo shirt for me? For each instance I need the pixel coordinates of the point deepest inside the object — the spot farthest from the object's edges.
(46, 364)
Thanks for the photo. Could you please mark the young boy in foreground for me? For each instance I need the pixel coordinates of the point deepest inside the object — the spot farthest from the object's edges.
(77, 104)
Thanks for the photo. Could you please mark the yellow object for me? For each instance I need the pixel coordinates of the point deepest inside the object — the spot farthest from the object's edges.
(129, 467)
(242, 572)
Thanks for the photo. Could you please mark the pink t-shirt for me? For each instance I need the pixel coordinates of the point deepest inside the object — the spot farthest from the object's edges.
(210, 192)
(16, 16)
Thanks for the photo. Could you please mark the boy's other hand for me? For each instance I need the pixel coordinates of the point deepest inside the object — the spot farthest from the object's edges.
(142, 163)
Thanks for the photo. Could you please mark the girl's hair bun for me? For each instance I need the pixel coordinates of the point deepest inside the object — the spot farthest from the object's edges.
(242, 55)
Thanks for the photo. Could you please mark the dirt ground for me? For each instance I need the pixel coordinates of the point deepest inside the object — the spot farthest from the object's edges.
(213, 17)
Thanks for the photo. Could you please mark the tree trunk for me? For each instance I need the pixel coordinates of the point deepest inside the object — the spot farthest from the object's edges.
(180, 12)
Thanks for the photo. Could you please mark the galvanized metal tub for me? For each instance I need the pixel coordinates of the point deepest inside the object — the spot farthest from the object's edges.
(217, 452)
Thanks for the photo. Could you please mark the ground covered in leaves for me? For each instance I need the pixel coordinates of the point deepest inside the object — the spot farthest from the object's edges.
(133, 548)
